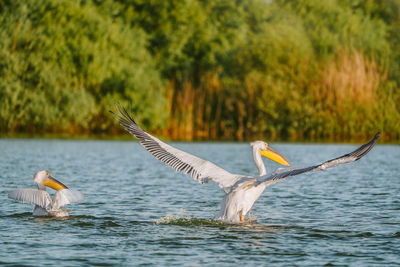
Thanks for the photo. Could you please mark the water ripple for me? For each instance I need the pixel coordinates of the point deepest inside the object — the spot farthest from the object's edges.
(344, 216)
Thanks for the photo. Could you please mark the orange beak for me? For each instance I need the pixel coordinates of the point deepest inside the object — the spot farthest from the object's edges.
(275, 156)
(54, 183)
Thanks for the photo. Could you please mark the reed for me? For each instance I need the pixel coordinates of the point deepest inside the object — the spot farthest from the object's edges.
(202, 70)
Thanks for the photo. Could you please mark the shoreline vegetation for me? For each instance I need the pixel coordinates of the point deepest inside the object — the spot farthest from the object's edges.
(282, 71)
(128, 138)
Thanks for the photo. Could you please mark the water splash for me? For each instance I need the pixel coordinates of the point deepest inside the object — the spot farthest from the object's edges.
(251, 218)
(184, 218)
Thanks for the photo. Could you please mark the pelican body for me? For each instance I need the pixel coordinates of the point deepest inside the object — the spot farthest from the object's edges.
(44, 205)
(237, 203)
(241, 191)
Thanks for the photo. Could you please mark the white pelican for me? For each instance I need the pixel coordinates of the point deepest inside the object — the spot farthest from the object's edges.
(44, 205)
(241, 191)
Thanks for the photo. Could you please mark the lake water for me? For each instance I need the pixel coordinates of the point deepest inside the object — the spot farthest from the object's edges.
(139, 212)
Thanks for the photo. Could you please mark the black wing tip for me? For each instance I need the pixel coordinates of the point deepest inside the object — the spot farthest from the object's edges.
(377, 135)
(123, 115)
(364, 149)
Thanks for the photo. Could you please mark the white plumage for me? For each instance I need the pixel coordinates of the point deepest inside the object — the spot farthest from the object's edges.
(64, 197)
(241, 191)
(32, 196)
(44, 205)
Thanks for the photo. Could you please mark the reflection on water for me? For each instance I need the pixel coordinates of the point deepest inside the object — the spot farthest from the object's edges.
(137, 211)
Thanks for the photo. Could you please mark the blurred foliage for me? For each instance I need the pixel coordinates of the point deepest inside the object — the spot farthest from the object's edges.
(198, 70)
(69, 64)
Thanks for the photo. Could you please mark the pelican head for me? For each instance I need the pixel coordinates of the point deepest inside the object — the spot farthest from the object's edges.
(263, 148)
(43, 178)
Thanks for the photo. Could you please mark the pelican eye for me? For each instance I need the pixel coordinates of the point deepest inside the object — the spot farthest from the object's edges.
(47, 173)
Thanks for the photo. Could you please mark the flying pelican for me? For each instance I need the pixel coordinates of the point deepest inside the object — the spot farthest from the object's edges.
(44, 205)
(241, 191)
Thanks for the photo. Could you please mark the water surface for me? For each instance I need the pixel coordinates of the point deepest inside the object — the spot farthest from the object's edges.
(139, 212)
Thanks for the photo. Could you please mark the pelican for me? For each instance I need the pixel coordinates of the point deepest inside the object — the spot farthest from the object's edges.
(44, 205)
(241, 191)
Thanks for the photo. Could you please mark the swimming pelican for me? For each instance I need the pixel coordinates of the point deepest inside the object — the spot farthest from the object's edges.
(241, 191)
(44, 205)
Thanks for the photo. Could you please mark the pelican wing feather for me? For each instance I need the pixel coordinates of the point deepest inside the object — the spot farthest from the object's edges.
(65, 196)
(283, 173)
(201, 170)
(32, 196)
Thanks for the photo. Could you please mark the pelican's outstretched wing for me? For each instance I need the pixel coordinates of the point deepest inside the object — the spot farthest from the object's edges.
(33, 196)
(65, 196)
(283, 173)
(201, 170)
